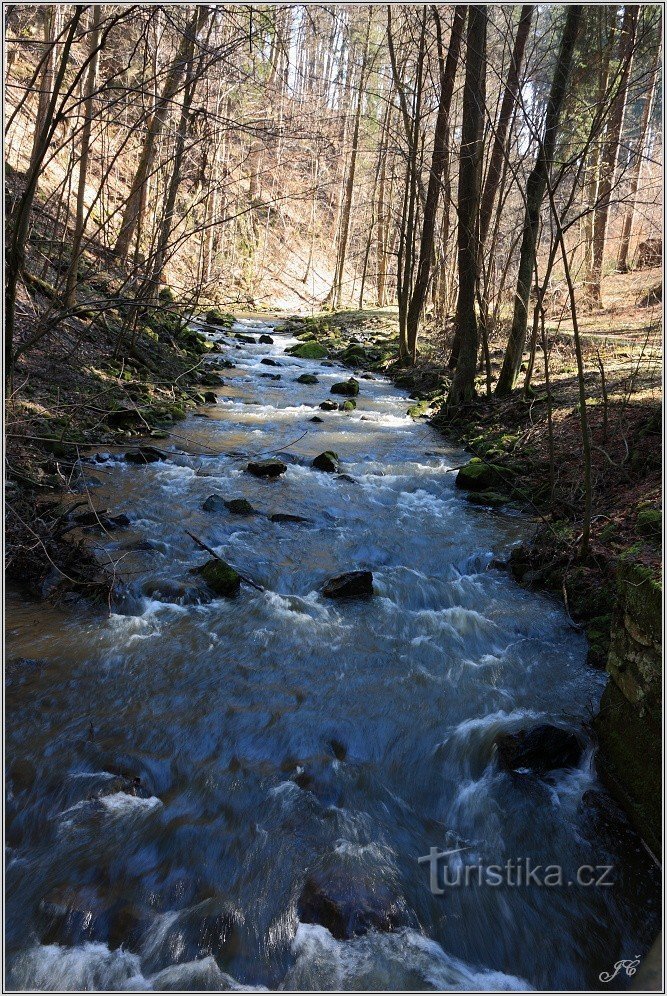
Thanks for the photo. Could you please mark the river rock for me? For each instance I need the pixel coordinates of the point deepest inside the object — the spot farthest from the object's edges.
(327, 461)
(307, 379)
(348, 906)
(210, 379)
(271, 376)
(350, 388)
(175, 593)
(210, 397)
(307, 351)
(248, 339)
(287, 517)
(22, 773)
(354, 584)
(329, 406)
(347, 406)
(145, 454)
(266, 339)
(541, 749)
(220, 577)
(316, 418)
(266, 468)
(477, 475)
(269, 362)
(239, 506)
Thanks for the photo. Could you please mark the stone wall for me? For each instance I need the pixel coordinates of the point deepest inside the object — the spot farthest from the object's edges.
(629, 724)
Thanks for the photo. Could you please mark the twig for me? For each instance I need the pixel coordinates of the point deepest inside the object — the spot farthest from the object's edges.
(203, 546)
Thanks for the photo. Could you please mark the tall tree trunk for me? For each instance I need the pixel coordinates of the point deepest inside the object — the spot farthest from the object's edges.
(535, 189)
(606, 16)
(155, 125)
(648, 97)
(472, 139)
(499, 150)
(51, 24)
(80, 221)
(610, 152)
(438, 161)
(349, 184)
(15, 251)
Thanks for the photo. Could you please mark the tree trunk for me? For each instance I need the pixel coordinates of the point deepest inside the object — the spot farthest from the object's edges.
(79, 224)
(155, 125)
(499, 149)
(472, 140)
(610, 152)
(622, 263)
(438, 161)
(535, 188)
(349, 184)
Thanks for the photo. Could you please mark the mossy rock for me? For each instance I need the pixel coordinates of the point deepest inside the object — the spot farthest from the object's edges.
(649, 523)
(348, 406)
(419, 410)
(489, 498)
(477, 475)
(166, 295)
(220, 318)
(221, 577)
(307, 351)
(347, 387)
(307, 379)
(306, 337)
(327, 461)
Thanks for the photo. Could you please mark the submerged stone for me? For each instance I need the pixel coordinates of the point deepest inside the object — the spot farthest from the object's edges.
(287, 517)
(327, 461)
(354, 584)
(541, 749)
(348, 906)
(267, 468)
(145, 454)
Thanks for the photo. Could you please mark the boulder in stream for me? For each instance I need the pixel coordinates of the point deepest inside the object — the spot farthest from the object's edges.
(266, 339)
(266, 468)
(210, 379)
(287, 517)
(349, 388)
(307, 379)
(329, 406)
(347, 406)
(269, 362)
(540, 749)
(271, 376)
(210, 397)
(353, 584)
(249, 340)
(145, 454)
(220, 577)
(327, 461)
(477, 475)
(316, 418)
(307, 351)
(349, 906)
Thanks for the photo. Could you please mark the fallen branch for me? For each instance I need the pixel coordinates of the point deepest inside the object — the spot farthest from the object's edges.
(203, 546)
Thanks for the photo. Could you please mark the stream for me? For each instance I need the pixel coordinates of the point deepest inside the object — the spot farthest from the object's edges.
(181, 773)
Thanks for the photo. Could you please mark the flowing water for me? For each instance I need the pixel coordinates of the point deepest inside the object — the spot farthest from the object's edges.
(280, 736)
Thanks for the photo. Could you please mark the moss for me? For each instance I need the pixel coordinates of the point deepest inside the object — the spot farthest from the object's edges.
(419, 410)
(307, 351)
(221, 577)
(490, 498)
(348, 406)
(641, 592)
(477, 475)
(221, 318)
(649, 522)
(166, 295)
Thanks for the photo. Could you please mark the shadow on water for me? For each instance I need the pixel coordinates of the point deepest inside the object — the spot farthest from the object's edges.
(191, 784)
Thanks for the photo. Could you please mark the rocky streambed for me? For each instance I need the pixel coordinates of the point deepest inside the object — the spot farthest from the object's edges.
(320, 673)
